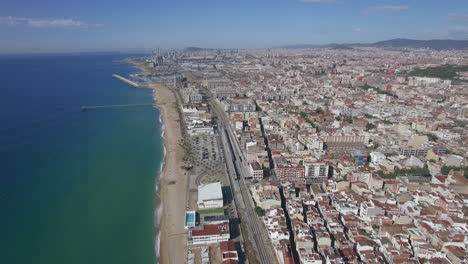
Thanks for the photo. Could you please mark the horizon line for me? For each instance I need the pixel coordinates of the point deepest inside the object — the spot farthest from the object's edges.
(147, 50)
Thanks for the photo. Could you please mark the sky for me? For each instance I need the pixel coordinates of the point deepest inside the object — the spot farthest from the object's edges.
(31, 26)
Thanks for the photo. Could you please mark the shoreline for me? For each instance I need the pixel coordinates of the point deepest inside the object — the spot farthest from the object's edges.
(171, 189)
(158, 202)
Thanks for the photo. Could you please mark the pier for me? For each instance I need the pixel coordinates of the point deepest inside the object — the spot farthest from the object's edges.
(91, 107)
(125, 80)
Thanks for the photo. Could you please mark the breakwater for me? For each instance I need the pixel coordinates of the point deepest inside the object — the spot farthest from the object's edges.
(88, 107)
(125, 80)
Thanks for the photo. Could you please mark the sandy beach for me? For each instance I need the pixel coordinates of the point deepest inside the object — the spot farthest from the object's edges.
(173, 184)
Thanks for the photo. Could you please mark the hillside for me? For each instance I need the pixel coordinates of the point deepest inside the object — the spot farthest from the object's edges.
(436, 44)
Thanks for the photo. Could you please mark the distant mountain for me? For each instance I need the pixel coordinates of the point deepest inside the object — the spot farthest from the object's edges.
(437, 44)
(339, 46)
(198, 49)
(301, 46)
(195, 49)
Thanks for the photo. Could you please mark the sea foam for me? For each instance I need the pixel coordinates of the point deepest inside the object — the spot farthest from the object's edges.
(159, 202)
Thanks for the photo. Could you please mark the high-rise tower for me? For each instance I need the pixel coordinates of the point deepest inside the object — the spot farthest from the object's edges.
(159, 58)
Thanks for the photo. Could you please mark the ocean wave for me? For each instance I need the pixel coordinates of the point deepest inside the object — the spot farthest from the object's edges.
(158, 214)
(159, 202)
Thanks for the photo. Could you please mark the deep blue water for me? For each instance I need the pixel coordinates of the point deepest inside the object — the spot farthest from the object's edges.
(76, 187)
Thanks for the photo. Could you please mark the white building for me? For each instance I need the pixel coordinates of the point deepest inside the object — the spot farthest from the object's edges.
(210, 196)
(316, 170)
(210, 234)
(414, 162)
(454, 161)
(377, 157)
(200, 130)
(369, 209)
(256, 170)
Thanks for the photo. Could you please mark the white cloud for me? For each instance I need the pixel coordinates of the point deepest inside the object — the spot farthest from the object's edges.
(373, 9)
(357, 29)
(318, 1)
(44, 22)
(458, 17)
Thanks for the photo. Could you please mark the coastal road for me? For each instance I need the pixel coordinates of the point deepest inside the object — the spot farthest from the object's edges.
(238, 171)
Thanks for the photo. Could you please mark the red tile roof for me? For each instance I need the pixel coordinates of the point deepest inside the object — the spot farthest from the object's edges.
(227, 246)
(210, 230)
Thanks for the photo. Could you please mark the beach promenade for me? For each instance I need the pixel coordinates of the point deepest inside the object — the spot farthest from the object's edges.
(173, 184)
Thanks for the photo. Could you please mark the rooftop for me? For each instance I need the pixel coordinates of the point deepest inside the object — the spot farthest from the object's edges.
(211, 230)
(211, 191)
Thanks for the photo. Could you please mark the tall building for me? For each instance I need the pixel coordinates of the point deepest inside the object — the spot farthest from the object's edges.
(158, 58)
(316, 170)
(239, 104)
(290, 172)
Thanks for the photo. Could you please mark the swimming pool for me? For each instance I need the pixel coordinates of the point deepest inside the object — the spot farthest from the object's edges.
(190, 219)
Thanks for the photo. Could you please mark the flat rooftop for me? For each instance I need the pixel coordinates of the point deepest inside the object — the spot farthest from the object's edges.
(211, 191)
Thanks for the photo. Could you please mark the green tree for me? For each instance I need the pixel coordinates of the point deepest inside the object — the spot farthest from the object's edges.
(260, 212)
(370, 126)
(444, 71)
(446, 170)
(387, 122)
(432, 137)
(405, 172)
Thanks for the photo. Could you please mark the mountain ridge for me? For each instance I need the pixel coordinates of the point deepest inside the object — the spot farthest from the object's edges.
(398, 43)
(437, 44)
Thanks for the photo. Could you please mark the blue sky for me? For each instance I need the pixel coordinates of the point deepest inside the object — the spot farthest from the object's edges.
(104, 25)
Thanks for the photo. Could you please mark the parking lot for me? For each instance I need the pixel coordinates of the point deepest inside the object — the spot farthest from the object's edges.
(208, 159)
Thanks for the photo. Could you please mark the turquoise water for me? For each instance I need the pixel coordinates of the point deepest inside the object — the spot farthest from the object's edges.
(189, 219)
(76, 187)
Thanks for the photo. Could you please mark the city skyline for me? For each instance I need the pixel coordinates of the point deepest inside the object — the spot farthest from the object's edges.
(58, 26)
(235, 132)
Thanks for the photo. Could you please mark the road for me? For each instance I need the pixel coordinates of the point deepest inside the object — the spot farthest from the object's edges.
(238, 170)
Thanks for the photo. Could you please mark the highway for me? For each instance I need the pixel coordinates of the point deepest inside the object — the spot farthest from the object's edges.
(238, 170)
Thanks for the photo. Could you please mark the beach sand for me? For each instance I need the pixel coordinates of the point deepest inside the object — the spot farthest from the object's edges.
(173, 184)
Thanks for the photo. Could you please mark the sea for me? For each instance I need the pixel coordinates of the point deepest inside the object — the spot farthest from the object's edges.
(77, 186)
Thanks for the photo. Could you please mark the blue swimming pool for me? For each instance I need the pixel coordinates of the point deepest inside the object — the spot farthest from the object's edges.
(190, 219)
